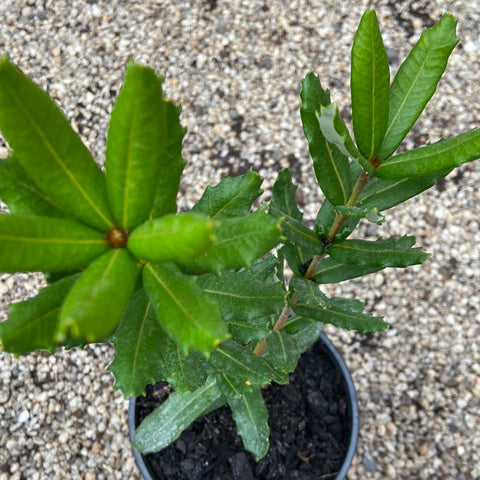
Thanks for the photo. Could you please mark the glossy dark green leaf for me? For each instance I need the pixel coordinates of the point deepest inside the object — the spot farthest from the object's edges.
(370, 86)
(136, 337)
(433, 158)
(390, 252)
(46, 244)
(283, 196)
(165, 424)
(31, 325)
(232, 197)
(172, 238)
(96, 303)
(251, 330)
(310, 302)
(416, 81)
(251, 418)
(239, 242)
(336, 132)
(330, 164)
(184, 311)
(49, 150)
(329, 271)
(384, 194)
(165, 201)
(136, 146)
(20, 193)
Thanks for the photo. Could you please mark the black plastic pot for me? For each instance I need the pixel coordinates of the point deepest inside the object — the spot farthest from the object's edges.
(352, 407)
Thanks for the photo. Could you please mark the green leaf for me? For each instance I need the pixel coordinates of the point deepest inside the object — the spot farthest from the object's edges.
(136, 145)
(251, 418)
(240, 365)
(20, 193)
(390, 252)
(371, 214)
(370, 86)
(49, 150)
(46, 244)
(165, 424)
(325, 218)
(336, 132)
(416, 81)
(384, 194)
(97, 301)
(434, 158)
(283, 196)
(32, 324)
(136, 337)
(343, 313)
(232, 197)
(240, 241)
(165, 201)
(330, 271)
(330, 164)
(241, 296)
(184, 311)
(172, 238)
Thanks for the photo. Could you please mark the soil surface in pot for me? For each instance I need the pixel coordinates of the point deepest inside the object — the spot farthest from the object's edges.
(309, 436)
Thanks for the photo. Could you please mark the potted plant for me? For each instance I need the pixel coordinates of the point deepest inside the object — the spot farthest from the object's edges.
(222, 300)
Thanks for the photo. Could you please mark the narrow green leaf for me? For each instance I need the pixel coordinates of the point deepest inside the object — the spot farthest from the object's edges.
(97, 301)
(325, 218)
(416, 81)
(232, 197)
(171, 169)
(370, 213)
(241, 296)
(241, 365)
(390, 252)
(136, 145)
(46, 244)
(251, 330)
(184, 311)
(341, 312)
(384, 194)
(283, 196)
(434, 158)
(329, 271)
(251, 417)
(172, 238)
(336, 132)
(370, 86)
(20, 193)
(240, 241)
(330, 164)
(32, 324)
(136, 337)
(49, 150)
(165, 424)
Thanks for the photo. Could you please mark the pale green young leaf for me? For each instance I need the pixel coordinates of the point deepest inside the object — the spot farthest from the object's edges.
(96, 303)
(336, 132)
(49, 150)
(232, 197)
(31, 244)
(20, 193)
(433, 158)
(239, 241)
(138, 335)
(31, 325)
(165, 424)
(165, 201)
(389, 252)
(370, 86)
(330, 164)
(416, 81)
(184, 311)
(251, 417)
(136, 146)
(172, 238)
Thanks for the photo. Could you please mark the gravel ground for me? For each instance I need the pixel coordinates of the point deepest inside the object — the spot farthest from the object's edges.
(236, 68)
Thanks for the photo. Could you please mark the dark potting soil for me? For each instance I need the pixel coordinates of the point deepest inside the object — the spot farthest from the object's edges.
(309, 431)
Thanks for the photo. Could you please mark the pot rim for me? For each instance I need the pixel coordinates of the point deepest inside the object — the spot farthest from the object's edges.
(353, 411)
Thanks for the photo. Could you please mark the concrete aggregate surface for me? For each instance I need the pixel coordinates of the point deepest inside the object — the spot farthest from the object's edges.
(236, 67)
